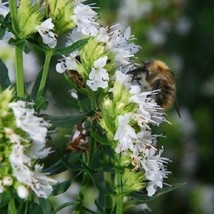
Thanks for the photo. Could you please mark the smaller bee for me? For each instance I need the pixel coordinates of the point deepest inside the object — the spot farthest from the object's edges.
(156, 75)
(75, 76)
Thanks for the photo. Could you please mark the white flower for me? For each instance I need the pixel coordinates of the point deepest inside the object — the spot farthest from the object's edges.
(4, 10)
(121, 46)
(35, 126)
(85, 19)
(1, 187)
(36, 180)
(68, 63)
(123, 79)
(45, 30)
(119, 43)
(14, 138)
(74, 36)
(153, 164)
(125, 134)
(38, 150)
(148, 108)
(98, 77)
(22, 191)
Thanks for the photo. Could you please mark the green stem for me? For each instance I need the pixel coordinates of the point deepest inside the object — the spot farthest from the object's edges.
(86, 179)
(19, 72)
(48, 55)
(119, 199)
(108, 198)
(12, 207)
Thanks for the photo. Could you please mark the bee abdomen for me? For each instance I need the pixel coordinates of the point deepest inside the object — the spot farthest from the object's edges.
(166, 95)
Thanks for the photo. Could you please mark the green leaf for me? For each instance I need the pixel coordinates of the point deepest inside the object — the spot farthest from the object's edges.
(36, 85)
(142, 197)
(74, 161)
(66, 121)
(71, 48)
(63, 206)
(2, 32)
(34, 208)
(41, 103)
(100, 139)
(38, 44)
(16, 42)
(85, 103)
(4, 78)
(4, 199)
(55, 168)
(62, 187)
(45, 205)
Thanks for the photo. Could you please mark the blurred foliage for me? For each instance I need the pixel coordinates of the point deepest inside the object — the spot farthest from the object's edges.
(181, 33)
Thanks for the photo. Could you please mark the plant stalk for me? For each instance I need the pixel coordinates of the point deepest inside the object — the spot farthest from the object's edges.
(86, 179)
(19, 72)
(48, 56)
(12, 207)
(119, 197)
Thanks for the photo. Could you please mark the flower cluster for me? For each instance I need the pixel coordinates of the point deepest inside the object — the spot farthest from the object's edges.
(23, 141)
(126, 112)
(99, 58)
(52, 19)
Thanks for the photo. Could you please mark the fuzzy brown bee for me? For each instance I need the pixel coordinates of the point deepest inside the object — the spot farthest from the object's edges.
(76, 77)
(156, 75)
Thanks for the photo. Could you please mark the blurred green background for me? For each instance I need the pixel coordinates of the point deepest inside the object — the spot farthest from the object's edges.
(181, 33)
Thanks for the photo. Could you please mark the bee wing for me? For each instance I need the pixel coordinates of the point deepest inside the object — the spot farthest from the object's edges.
(168, 74)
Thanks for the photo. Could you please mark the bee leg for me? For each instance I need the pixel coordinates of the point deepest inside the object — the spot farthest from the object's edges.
(159, 97)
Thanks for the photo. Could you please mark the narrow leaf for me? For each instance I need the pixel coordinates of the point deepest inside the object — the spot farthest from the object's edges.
(2, 31)
(71, 48)
(66, 121)
(4, 78)
(61, 187)
(142, 197)
(35, 88)
(100, 139)
(55, 168)
(34, 208)
(38, 44)
(63, 206)
(45, 205)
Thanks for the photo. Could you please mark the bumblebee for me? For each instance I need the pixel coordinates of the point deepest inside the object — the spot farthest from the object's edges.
(75, 76)
(156, 75)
